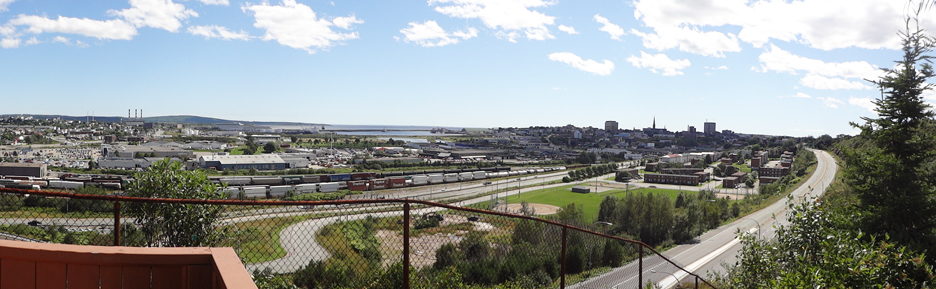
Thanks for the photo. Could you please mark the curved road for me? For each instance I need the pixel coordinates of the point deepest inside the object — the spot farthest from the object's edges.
(718, 245)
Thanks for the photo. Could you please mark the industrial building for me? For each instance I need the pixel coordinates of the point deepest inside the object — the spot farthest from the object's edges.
(24, 169)
(242, 162)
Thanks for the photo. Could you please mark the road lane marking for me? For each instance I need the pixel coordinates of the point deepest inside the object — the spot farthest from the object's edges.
(670, 281)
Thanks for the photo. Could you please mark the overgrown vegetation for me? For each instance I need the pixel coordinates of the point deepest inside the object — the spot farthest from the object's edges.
(872, 230)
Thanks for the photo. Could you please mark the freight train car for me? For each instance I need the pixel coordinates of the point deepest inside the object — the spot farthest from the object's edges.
(306, 188)
(328, 187)
(279, 191)
(255, 191)
(266, 180)
(339, 177)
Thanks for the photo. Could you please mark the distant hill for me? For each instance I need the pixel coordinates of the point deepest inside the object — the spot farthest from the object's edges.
(190, 119)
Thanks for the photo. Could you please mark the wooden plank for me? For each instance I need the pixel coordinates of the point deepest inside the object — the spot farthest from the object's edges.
(50, 275)
(85, 276)
(111, 277)
(198, 276)
(168, 277)
(17, 274)
(136, 277)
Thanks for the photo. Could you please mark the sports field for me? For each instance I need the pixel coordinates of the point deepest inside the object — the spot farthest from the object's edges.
(562, 196)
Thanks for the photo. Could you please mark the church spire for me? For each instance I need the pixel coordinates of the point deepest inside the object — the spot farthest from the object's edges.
(654, 122)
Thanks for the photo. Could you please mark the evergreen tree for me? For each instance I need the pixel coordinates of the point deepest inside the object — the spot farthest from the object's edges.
(891, 175)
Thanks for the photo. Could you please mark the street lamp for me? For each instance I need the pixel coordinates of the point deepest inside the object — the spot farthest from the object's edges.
(755, 221)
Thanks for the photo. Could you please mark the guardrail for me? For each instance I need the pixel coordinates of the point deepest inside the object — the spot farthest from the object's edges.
(365, 243)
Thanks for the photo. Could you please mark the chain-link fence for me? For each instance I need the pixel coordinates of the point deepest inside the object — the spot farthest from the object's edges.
(385, 243)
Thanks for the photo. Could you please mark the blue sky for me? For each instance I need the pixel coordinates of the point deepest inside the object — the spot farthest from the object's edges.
(766, 67)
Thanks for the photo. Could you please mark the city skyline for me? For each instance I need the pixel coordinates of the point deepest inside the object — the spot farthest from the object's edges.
(765, 67)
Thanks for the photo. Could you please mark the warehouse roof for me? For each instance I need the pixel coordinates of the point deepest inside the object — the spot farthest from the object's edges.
(242, 159)
(21, 165)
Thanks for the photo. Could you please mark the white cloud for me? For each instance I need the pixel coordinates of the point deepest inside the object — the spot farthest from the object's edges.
(821, 82)
(10, 42)
(723, 67)
(4, 4)
(346, 22)
(821, 24)
(659, 63)
(215, 31)
(862, 102)
(31, 41)
(797, 95)
(692, 40)
(295, 25)
(430, 34)
(600, 68)
(613, 29)
(161, 14)
(61, 39)
(108, 29)
(819, 74)
(567, 29)
(509, 17)
(215, 2)
(830, 102)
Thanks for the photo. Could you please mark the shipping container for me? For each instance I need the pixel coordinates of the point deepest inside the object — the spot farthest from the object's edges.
(266, 180)
(419, 180)
(466, 176)
(362, 176)
(279, 191)
(339, 177)
(328, 187)
(450, 178)
(379, 184)
(311, 179)
(357, 185)
(397, 182)
(306, 188)
(235, 181)
(255, 191)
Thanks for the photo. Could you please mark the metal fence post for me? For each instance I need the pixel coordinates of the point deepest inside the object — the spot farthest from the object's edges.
(116, 230)
(639, 265)
(562, 266)
(696, 282)
(406, 259)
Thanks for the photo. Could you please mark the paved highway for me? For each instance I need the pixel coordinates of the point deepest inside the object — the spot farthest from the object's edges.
(715, 246)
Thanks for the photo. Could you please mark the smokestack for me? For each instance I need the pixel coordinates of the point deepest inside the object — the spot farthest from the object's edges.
(134, 113)
(141, 114)
(128, 115)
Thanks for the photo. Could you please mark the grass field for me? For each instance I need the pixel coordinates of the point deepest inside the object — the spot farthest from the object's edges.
(562, 196)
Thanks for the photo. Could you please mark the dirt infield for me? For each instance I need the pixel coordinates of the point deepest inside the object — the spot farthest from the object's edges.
(540, 209)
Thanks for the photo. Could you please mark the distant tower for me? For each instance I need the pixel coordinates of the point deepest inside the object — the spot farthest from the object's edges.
(611, 126)
(709, 128)
(654, 122)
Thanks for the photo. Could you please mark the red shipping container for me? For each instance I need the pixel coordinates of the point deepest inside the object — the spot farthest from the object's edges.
(397, 182)
(379, 184)
(357, 185)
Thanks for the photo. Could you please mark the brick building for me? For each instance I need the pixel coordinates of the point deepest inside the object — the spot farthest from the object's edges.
(689, 180)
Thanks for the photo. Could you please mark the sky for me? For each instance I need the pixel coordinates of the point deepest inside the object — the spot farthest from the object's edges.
(794, 68)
